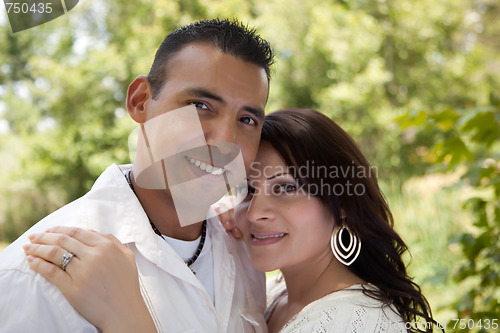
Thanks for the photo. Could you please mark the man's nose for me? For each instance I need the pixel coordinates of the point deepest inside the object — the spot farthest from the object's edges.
(223, 129)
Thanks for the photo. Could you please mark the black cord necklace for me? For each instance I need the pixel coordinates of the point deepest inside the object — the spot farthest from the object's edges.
(155, 229)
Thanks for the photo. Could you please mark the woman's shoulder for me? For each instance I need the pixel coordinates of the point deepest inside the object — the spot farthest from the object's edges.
(347, 310)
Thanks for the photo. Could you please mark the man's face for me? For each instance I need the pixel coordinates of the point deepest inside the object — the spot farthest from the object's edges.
(230, 95)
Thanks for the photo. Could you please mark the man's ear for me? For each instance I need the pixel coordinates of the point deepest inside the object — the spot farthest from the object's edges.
(139, 94)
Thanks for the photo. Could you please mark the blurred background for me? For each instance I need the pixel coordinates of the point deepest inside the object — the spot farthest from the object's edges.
(416, 83)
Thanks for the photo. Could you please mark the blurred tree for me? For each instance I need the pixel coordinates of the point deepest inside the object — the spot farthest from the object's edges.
(465, 137)
(362, 62)
(365, 62)
(433, 64)
(471, 144)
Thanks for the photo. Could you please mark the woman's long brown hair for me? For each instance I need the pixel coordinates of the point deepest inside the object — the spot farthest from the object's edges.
(329, 165)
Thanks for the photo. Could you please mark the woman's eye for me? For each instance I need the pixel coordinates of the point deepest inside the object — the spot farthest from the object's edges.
(284, 188)
(200, 105)
(248, 120)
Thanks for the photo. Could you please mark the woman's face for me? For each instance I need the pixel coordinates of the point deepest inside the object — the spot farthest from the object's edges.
(283, 226)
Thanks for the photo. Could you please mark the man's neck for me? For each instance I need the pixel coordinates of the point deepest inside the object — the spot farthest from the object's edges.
(159, 207)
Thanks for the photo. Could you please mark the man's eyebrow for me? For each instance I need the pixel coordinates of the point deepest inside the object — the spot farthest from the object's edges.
(200, 92)
(257, 112)
(203, 93)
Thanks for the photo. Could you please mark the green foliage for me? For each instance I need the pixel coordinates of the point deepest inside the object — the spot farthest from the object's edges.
(469, 138)
(415, 82)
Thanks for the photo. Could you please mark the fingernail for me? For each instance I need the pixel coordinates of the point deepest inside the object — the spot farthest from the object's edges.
(26, 247)
(31, 237)
(30, 258)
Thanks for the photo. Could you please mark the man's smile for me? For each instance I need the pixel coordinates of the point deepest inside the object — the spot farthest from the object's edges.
(206, 166)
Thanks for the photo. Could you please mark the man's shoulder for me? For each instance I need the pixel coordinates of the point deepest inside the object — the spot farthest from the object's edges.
(18, 282)
(30, 303)
(13, 257)
(84, 212)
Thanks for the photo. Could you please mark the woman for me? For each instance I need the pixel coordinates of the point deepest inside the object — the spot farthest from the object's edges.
(316, 213)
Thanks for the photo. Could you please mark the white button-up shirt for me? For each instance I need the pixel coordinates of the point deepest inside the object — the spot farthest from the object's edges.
(176, 299)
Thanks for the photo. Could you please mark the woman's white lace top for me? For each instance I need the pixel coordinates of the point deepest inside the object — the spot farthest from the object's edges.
(345, 311)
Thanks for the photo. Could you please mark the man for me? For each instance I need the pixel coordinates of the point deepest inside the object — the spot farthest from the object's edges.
(222, 69)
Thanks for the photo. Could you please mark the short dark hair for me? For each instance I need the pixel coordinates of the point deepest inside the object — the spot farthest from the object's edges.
(229, 36)
(305, 136)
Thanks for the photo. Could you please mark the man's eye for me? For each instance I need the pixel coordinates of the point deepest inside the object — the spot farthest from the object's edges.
(250, 193)
(250, 190)
(200, 105)
(248, 120)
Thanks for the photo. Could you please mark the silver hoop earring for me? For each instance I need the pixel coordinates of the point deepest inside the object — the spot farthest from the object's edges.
(345, 254)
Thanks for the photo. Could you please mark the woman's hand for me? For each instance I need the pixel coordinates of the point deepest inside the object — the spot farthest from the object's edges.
(227, 220)
(100, 281)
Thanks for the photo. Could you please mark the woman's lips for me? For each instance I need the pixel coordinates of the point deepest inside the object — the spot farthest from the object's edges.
(267, 239)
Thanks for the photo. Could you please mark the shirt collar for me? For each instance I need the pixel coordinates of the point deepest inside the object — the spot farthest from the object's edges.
(119, 212)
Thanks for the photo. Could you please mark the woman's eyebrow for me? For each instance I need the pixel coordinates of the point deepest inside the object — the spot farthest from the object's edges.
(278, 174)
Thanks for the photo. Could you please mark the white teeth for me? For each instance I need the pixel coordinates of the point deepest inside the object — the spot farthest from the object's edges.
(218, 172)
(270, 236)
(206, 167)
